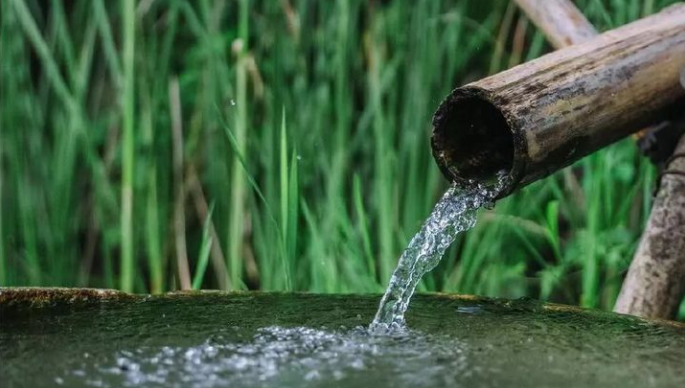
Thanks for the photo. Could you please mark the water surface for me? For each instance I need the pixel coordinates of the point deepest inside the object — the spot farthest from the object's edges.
(290, 340)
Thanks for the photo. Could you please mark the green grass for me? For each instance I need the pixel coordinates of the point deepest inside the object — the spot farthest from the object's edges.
(281, 145)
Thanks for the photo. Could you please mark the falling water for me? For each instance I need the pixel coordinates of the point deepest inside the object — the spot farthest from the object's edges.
(453, 214)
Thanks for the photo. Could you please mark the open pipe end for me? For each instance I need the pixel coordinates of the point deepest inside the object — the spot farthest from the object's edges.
(472, 140)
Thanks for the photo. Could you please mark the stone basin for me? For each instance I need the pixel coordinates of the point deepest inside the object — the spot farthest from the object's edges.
(102, 338)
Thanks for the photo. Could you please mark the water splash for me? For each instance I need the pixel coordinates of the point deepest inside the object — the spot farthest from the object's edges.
(453, 214)
(285, 357)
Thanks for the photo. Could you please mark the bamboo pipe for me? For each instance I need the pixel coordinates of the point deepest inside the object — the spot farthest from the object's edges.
(541, 116)
(655, 283)
(564, 25)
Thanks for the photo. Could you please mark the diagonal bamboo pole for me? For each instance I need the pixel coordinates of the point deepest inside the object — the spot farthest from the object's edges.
(560, 20)
(655, 282)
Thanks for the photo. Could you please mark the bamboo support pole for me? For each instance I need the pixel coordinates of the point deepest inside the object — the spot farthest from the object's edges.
(543, 115)
(560, 20)
(655, 283)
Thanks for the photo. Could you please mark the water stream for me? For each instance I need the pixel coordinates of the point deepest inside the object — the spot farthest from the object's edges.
(453, 214)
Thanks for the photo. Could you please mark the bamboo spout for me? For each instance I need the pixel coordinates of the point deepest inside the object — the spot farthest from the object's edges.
(541, 116)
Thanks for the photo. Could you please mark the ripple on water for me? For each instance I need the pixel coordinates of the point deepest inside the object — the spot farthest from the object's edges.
(285, 355)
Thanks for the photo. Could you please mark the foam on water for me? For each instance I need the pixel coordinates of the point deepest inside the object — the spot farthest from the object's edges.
(283, 356)
(453, 214)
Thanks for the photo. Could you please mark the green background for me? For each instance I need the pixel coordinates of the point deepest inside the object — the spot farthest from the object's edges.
(302, 127)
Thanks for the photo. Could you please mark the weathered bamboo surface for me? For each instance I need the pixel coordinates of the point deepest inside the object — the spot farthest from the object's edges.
(563, 105)
(562, 23)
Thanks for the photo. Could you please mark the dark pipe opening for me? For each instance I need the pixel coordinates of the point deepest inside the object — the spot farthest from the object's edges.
(472, 140)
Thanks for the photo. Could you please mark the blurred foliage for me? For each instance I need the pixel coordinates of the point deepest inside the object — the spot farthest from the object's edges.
(304, 125)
